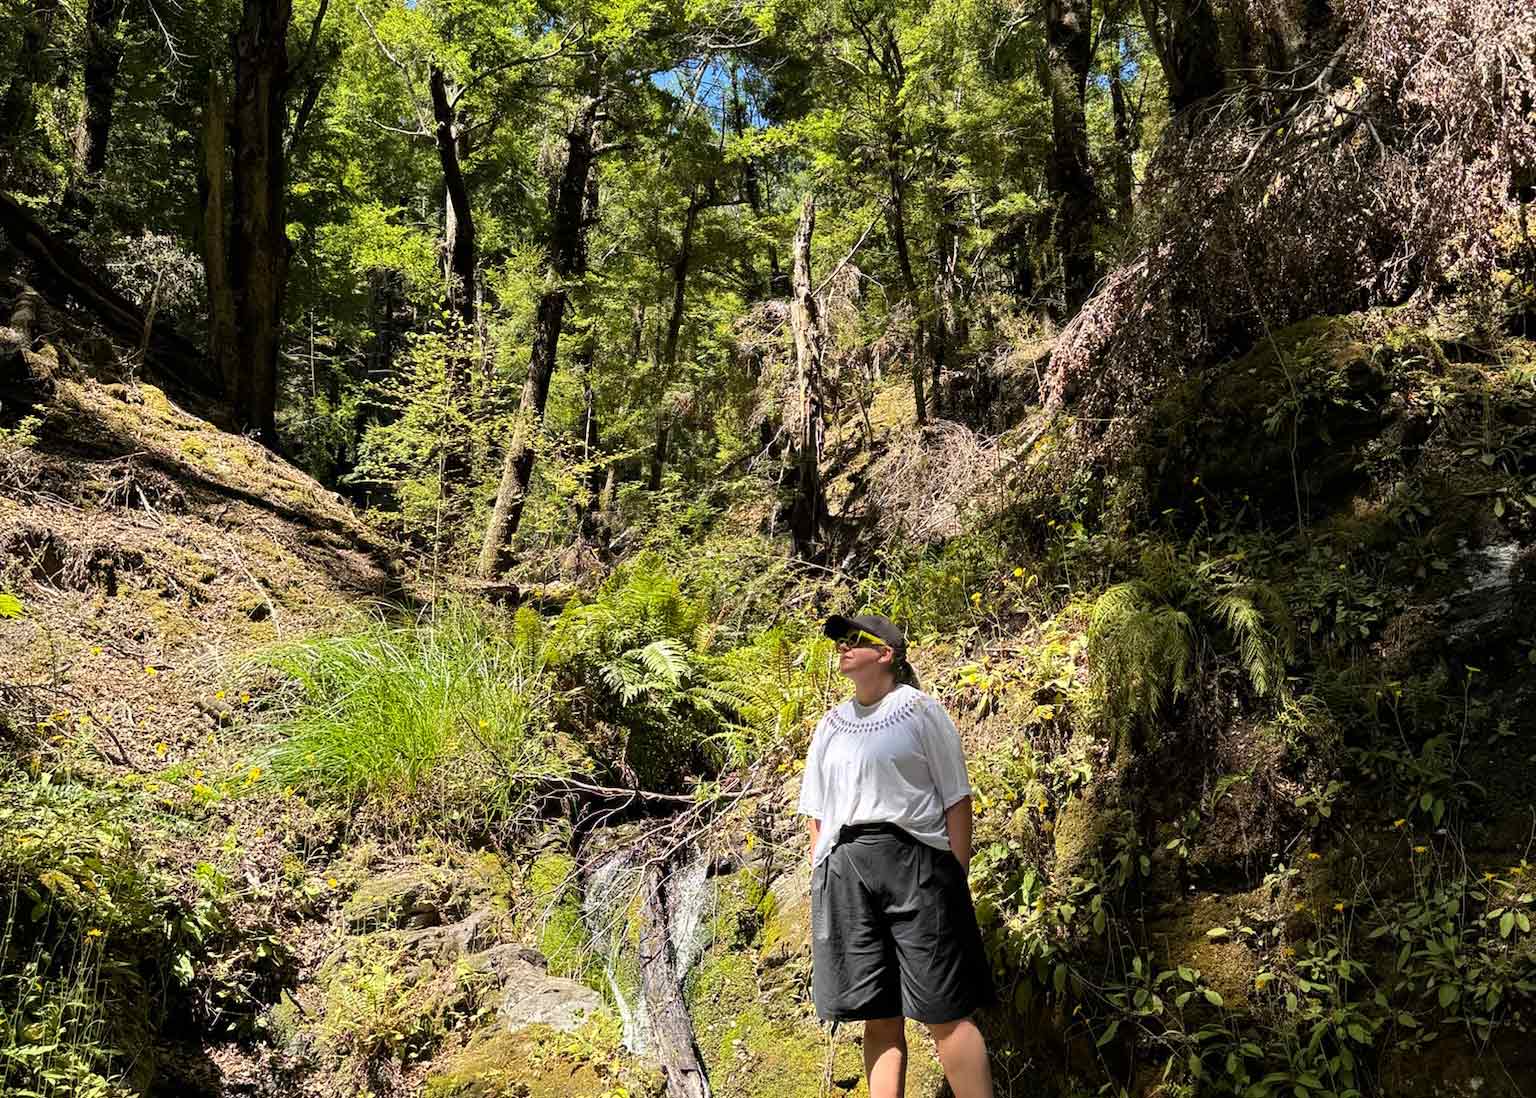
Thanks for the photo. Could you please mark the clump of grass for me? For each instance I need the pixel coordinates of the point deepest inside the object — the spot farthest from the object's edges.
(432, 714)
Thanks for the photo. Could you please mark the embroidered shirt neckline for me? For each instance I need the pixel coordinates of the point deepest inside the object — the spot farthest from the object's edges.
(886, 712)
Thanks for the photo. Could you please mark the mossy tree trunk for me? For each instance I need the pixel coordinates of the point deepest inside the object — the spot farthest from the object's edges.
(213, 192)
(34, 66)
(103, 58)
(259, 239)
(808, 515)
(1185, 36)
(1069, 174)
(568, 261)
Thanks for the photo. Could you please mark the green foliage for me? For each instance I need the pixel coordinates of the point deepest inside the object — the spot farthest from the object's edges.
(98, 947)
(553, 913)
(1147, 635)
(415, 721)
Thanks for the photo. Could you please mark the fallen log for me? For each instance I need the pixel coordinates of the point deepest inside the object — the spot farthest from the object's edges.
(661, 984)
(60, 272)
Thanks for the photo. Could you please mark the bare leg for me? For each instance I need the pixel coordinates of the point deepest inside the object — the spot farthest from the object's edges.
(885, 1057)
(963, 1052)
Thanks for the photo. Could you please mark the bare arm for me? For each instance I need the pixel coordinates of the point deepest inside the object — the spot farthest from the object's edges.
(815, 835)
(957, 821)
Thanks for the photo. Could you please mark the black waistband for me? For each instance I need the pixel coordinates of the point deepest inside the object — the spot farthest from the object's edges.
(854, 831)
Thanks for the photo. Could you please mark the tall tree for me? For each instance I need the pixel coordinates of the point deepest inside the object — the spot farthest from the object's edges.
(259, 239)
(458, 219)
(809, 511)
(18, 112)
(212, 191)
(103, 58)
(1069, 174)
(1187, 40)
(568, 262)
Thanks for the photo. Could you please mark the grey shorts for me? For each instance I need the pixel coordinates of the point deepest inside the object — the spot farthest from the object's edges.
(893, 932)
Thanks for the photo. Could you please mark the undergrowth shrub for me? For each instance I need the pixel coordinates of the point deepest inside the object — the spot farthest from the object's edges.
(1148, 636)
(637, 675)
(410, 719)
(98, 950)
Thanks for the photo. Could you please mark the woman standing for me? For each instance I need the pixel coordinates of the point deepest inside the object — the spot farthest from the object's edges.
(893, 931)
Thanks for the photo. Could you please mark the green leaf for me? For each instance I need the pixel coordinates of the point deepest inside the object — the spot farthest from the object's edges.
(1059, 979)
(1218, 934)
(10, 606)
(1506, 924)
(1449, 993)
(1108, 1035)
(1407, 1021)
(1213, 997)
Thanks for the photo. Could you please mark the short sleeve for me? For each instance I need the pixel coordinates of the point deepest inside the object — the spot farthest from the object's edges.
(812, 783)
(946, 758)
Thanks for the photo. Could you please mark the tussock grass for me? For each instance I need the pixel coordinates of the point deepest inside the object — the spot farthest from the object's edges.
(408, 717)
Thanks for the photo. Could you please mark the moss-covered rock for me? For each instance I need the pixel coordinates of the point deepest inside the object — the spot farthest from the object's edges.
(538, 1062)
(413, 896)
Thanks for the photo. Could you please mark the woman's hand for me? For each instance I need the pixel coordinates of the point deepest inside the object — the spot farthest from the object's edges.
(957, 821)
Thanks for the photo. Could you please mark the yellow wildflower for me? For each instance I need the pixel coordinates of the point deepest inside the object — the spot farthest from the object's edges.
(95, 649)
(332, 882)
(1420, 849)
(1313, 856)
(254, 774)
(485, 724)
(218, 695)
(976, 597)
(160, 749)
(1289, 951)
(1487, 876)
(94, 932)
(1399, 823)
(245, 699)
(1517, 870)
(1018, 573)
(1300, 906)
(1339, 907)
(287, 790)
(150, 671)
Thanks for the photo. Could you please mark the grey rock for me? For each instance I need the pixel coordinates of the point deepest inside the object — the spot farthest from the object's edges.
(532, 996)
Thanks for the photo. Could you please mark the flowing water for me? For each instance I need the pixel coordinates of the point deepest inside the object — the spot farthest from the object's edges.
(607, 908)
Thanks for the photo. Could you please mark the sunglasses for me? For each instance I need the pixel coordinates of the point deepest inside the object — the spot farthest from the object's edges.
(860, 639)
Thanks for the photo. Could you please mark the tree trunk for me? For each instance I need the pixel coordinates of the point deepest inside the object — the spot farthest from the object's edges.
(568, 259)
(808, 514)
(459, 231)
(103, 57)
(212, 192)
(459, 262)
(591, 440)
(18, 111)
(259, 240)
(1125, 144)
(669, 348)
(662, 985)
(1069, 175)
(897, 217)
(1188, 47)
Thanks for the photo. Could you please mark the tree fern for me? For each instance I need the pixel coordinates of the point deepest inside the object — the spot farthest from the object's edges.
(1145, 634)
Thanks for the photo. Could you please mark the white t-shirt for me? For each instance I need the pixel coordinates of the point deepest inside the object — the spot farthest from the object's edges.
(898, 761)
